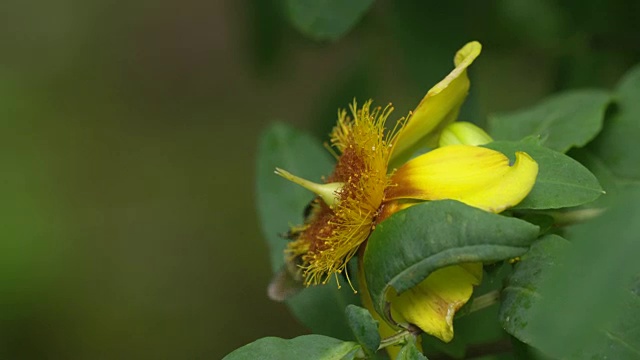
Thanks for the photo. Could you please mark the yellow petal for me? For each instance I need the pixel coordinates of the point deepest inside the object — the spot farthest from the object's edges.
(432, 303)
(476, 176)
(438, 108)
(464, 133)
(384, 328)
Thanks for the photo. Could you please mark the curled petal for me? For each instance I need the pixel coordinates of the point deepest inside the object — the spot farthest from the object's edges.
(439, 107)
(432, 303)
(476, 176)
(385, 329)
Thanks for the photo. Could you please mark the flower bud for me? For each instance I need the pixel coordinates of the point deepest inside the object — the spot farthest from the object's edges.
(464, 133)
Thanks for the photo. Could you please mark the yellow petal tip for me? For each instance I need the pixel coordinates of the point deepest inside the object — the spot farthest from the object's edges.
(468, 53)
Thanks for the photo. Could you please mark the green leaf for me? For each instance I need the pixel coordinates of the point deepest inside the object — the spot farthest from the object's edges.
(566, 120)
(617, 144)
(562, 181)
(580, 300)
(312, 347)
(610, 183)
(281, 203)
(326, 19)
(322, 309)
(407, 247)
(410, 352)
(522, 286)
(364, 327)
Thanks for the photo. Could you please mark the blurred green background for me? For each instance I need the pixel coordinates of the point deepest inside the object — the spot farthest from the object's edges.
(128, 226)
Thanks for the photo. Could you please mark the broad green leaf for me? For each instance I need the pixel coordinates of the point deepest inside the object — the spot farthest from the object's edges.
(521, 289)
(410, 352)
(364, 327)
(562, 181)
(326, 19)
(280, 204)
(407, 247)
(311, 347)
(566, 120)
(579, 300)
(610, 183)
(617, 144)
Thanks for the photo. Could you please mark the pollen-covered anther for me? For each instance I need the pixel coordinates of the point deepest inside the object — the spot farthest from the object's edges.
(361, 145)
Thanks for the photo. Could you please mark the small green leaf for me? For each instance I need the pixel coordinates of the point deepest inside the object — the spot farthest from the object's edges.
(326, 19)
(561, 182)
(579, 300)
(312, 347)
(280, 204)
(566, 120)
(364, 327)
(410, 352)
(407, 247)
(618, 142)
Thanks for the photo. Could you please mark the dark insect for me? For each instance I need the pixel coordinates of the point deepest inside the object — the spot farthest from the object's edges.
(288, 280)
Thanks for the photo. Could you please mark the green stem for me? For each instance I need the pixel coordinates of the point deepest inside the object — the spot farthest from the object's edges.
(566, 218)
(399, 338)
(484, 301)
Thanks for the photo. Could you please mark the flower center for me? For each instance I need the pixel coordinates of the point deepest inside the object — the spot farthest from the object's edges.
(331, 236)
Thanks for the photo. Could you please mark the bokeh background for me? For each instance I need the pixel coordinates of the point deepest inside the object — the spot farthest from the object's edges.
(127, 219)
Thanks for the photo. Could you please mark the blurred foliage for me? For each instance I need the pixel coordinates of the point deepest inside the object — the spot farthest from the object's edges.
(327, 19)
(557, 117)
(129, 130)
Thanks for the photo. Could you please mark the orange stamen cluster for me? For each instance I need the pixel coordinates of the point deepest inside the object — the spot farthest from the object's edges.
(331, 237)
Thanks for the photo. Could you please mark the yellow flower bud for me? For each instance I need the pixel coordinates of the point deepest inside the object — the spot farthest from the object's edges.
(463, 133)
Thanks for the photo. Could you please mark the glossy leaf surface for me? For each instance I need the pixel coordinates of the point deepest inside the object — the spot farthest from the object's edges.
(407, 247)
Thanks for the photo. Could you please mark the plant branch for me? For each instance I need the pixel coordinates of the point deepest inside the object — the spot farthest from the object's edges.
(398, 338)
(484, 301)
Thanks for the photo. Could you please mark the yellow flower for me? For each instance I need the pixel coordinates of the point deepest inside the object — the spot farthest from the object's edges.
(375, 176)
